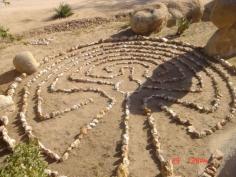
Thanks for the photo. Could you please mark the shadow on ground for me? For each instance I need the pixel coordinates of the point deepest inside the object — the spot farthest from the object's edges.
(8, 76)
(229, 169)
(171, 72)
(108, 7)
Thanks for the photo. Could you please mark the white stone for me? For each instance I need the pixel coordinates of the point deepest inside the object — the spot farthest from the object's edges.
(5, 101)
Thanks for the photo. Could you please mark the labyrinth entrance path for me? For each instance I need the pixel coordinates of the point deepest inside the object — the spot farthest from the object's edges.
(131, 104)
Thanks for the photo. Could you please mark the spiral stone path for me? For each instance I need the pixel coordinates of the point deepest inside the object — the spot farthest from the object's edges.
(145, 90)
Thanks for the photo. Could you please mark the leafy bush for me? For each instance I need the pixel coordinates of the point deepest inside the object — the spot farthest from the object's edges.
(5, 34)
(64, 10)
(25, 161)
(182, 24)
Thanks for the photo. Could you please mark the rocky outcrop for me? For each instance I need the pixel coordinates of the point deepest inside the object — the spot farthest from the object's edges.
(25, 62)
(166, 12)
(192, 10)
(224, 13)
(223, 41)
(150, 19)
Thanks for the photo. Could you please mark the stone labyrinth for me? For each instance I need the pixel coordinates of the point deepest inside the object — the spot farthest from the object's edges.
(145, 76)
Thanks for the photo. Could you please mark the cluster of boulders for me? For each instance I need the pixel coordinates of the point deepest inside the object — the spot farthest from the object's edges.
(223, 41)
(222, 13)
(165, 13)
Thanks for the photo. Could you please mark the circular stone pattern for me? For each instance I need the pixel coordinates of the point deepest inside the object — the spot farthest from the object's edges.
(98, 85)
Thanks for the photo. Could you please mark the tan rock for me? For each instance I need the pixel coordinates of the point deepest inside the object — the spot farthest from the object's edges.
(122, 171)
(205, 175)
(25, 62)
(84, 131)
(219, 126)
(217, 154)
(6, 105)
(213, 169)
(191, 129)
(5, 101)
(208, 131)
(224, 13)
(215, 163)
(65, 156)
(167, 169)
(150, 19)
(190, 9)
(210, 172)
(4, 120)
(147, 111)
(222, 43)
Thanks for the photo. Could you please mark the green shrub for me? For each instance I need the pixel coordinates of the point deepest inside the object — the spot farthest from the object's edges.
(64, 10)
(5, 34)
(182, 24)
(26, 161)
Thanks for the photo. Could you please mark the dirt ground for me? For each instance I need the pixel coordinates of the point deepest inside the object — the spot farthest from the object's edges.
(97, 156)
(23, 15)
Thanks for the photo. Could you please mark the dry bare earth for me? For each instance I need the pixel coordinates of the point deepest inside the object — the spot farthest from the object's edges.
(98, 154)
(23, 15)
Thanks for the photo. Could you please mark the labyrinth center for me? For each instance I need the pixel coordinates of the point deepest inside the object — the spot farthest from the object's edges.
(126, 92)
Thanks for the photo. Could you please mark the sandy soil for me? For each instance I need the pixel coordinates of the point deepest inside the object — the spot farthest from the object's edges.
(23, 15)
(97, 156)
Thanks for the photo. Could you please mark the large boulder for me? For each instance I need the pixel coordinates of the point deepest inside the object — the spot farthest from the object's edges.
(149, 19)
(222, 43)
(25, 62)
(189, 9)
(224, 13)
(165, 12)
